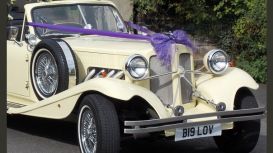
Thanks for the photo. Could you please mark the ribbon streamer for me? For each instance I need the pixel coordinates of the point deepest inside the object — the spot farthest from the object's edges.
(140, 28)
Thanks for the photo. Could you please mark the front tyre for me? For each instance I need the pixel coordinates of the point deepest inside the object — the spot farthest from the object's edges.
(244, 136)
(49, 69)
(98, 125)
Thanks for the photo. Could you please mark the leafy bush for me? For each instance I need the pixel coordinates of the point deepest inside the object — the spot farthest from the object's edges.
(247, 38)
(237, 26)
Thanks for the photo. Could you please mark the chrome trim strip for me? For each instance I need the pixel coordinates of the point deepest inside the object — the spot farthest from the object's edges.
(14, 105)
(23, 27)
(111, 74)
(118, 75)
(71, 64)
(90, 75)
(172, 72)
(159, 75)
(186, 79)
(189, 124)
(156, 125)
(181, 118)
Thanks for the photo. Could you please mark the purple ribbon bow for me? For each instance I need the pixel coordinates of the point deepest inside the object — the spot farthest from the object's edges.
(162, 43)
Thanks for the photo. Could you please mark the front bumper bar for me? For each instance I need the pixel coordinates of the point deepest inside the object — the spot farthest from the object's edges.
(155, 125)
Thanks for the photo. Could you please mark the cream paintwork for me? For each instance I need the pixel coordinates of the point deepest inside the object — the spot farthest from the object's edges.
(114, 88)
(224, 87)
(17, 56)
(108, 45)
(19, 87)
(107, 52)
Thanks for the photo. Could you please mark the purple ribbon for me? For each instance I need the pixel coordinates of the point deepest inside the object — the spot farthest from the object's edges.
(88, 31)
(162, 43)
(140, 28)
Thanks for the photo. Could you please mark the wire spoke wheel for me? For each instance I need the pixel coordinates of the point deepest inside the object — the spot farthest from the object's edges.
(46, 73)
(98, 125)
(51, 69)
(88, 130)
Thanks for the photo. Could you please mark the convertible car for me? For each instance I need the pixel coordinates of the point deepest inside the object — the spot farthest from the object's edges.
(79, 61)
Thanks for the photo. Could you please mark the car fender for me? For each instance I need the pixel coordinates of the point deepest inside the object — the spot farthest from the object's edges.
(223, 88)
(62, 104)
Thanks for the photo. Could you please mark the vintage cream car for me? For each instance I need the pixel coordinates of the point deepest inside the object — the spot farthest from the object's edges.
(116, 87)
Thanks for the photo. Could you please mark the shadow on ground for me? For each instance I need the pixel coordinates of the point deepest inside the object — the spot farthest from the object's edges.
(52, 129)
(66, 132)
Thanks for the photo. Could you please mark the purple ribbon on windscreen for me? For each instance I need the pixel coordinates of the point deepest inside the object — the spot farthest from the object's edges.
(162, 43)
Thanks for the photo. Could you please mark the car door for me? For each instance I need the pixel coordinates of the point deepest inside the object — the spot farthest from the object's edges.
(17, 68)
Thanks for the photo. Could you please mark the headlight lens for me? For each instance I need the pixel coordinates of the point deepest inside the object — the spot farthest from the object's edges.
(217, 61)
(137, 67)
(32, 39)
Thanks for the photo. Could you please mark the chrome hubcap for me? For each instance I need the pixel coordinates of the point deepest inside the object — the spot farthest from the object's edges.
(88, 131)
(46, 74)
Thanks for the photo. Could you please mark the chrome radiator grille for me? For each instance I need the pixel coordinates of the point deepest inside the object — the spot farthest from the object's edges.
(186, 88)
(161, 86)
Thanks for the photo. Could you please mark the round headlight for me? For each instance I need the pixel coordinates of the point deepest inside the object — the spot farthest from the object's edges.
(137, 67)
(216, 61)
(32, 39)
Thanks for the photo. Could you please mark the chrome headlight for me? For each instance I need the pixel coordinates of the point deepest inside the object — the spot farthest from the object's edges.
(32, 39)
(137, 67)
(216, 61)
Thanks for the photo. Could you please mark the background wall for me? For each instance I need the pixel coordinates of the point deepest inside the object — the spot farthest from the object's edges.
(125, 8)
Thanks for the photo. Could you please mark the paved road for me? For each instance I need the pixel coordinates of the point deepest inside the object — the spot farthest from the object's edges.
(33, 135)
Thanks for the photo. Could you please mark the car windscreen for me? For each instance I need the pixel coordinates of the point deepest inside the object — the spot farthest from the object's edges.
(99, 17)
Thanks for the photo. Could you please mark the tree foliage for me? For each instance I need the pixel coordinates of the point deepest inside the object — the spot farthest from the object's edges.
(237, 26)
(247, 38)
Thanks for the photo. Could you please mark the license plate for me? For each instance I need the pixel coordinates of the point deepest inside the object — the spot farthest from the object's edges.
(198, 132)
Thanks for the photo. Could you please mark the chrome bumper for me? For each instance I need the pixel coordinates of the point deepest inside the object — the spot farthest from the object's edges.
(155, 125)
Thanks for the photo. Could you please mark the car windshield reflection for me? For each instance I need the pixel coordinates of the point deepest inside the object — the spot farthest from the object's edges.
(99, 17)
